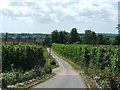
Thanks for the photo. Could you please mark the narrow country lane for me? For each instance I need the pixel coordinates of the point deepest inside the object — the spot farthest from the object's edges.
(66, 76)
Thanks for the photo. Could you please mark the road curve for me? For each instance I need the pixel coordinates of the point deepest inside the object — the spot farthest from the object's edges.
(66, 76)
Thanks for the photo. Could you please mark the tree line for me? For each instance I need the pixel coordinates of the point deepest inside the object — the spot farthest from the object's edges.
(89, 37)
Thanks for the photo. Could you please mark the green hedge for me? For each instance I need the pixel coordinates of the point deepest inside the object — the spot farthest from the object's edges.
(102, 63)
(21, 56)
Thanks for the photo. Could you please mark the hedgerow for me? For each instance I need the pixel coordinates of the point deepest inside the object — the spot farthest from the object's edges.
(21, 56)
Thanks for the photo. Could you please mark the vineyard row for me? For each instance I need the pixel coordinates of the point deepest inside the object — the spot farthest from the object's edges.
(101, 62)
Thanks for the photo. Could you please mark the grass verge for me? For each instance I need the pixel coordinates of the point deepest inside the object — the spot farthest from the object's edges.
(88, 81)
(50, 61)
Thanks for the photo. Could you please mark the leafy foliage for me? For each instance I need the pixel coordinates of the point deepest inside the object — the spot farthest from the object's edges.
(101, 62)
(23, 62)
(47, 41)
(64, 37)
(21, 56)
(74, 36)
(17, 76)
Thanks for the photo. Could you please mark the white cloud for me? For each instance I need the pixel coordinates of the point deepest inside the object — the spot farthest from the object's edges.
(96, 10)
(59, 10)
(4, 3)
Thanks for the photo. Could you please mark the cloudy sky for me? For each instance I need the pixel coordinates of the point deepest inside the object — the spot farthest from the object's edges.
(43, 16)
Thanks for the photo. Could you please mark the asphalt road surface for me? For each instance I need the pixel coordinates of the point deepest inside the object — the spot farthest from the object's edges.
(66, 76)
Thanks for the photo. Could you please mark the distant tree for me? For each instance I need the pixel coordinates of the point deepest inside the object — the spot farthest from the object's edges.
(54, 36)
(116, 41)
(87, 37)
(102, 40)
(34, 39)
(47, 41)
(107, 40)
(93, 38)
(18, 37)
(74, 36)
(90, 37)
(62, 37)
(67, 37)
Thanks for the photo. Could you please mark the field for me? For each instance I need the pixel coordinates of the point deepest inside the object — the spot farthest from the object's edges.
(101, 63)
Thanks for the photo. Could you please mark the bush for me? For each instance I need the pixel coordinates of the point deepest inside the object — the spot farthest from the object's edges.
(53, 63)
(17, 76)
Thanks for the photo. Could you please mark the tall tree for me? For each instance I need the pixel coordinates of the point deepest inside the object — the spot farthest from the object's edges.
(116, 40)
(47, 41)
(102, 40)
(87, 37)
(93, 38)
(54, 36)
(74, 36)
(62, 37)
